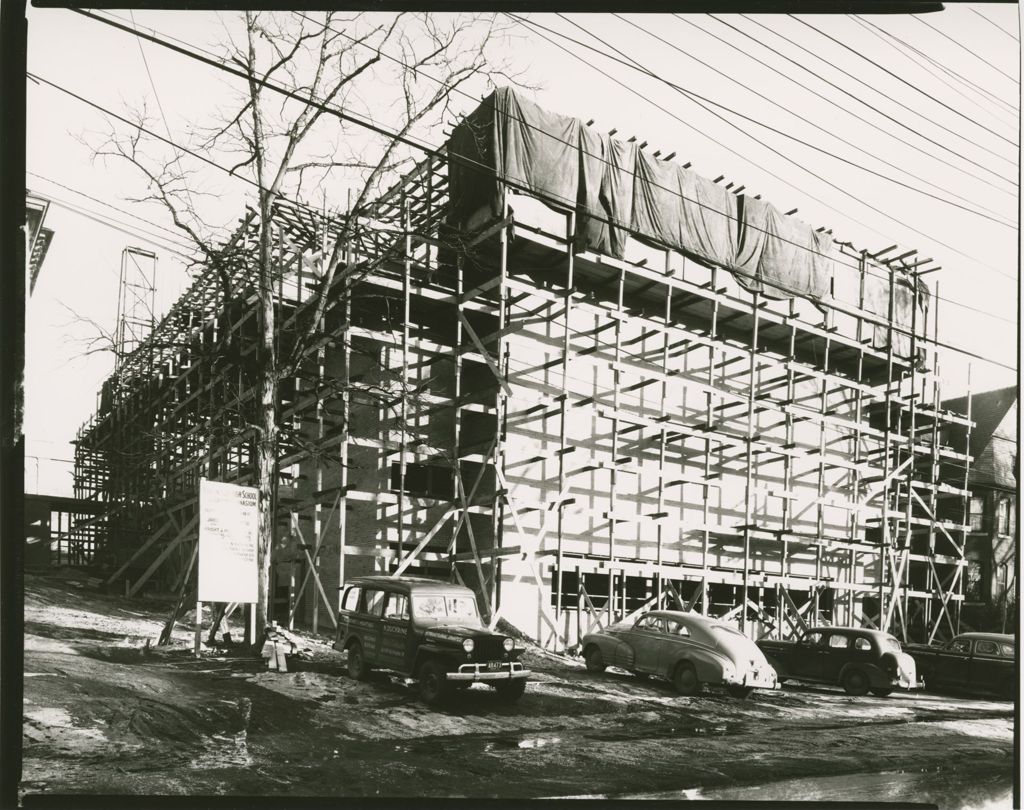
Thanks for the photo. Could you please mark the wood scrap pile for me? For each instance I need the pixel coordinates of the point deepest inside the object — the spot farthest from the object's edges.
(279, 644)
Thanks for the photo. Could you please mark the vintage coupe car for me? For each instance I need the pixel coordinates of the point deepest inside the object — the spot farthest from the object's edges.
(858, 659)
(969, 661)
(429, 630)
(686, 648)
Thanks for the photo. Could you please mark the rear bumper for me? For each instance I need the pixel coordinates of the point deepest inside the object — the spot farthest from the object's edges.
(479, 672)
(758, 679)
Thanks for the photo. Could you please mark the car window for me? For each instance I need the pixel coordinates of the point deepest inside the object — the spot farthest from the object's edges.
(985, 647)
(814, 639)
(351, 600)
(891, 644)
(676, 628)
(838, 641)
(437, 606)
(373, 602)
(960, 645)
(397, 606)
(1006, 650)
(861, 643)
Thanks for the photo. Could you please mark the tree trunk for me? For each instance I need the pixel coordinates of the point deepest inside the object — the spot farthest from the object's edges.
(266, 447)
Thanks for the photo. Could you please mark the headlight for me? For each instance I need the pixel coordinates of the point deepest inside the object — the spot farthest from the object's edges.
(468, 645)
(508, 644)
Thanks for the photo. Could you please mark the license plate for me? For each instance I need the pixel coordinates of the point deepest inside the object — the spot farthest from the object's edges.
(494, 666)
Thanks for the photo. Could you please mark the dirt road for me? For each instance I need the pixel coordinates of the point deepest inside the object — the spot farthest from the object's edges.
(102, 715)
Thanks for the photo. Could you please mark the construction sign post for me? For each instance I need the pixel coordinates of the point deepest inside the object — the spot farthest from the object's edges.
(228, 570)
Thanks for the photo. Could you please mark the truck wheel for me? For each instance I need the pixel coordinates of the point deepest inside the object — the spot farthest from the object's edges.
(685, 679)
(357, 668)
(855, 682)
(433, 684)
(595, 661)
(738, 691)
(511, 691)
(881, 692)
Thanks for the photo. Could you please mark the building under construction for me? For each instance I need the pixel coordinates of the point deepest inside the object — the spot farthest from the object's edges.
(573, 374)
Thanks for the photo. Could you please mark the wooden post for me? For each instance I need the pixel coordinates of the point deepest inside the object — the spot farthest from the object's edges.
(199, 627)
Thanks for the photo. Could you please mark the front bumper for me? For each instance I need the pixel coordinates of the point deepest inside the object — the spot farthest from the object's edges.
(480, 672)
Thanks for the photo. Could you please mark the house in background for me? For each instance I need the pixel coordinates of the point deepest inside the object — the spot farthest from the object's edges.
(989, 580)
(37, 238)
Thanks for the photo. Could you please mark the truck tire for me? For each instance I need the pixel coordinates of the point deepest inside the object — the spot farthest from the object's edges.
(685, 680)
(856, 682)
(594, 659)
(357, 668)
(433, 684)
(511, 691)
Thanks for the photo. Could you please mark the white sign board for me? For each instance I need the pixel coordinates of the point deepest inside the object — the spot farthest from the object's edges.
(228, 521)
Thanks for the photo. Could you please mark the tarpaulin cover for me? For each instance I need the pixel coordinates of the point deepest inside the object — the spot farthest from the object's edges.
(618, 190)
(876, 301)
(605, 212)
(681, 209)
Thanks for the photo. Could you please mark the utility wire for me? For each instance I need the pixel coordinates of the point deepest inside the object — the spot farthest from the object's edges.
(175, 234)
(912, 86)
(995, 25)
(884, 131)
(964, 47)
(818, 127)
(160, 106)
(401, 138)
(742, 131)
(846, 92)
(110, 222)
(984, 91)
(877, 32)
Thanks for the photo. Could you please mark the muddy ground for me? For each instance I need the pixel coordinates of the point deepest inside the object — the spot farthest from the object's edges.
(105, 715)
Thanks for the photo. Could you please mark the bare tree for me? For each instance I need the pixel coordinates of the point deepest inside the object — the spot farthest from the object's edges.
(399, 71)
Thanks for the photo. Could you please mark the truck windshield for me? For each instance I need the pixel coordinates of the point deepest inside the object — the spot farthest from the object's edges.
(440, 606)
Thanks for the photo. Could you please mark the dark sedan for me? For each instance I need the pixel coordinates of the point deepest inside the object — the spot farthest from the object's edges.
(855, 658)
(969, 661)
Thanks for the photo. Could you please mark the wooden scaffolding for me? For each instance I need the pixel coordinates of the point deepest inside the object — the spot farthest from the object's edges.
(576, 437)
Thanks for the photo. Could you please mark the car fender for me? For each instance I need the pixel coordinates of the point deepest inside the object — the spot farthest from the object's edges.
(708, 665)
(436, 651)
(877, 677)
(615, 653)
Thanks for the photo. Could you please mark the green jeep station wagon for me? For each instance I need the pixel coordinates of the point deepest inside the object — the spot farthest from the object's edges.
(429, 630)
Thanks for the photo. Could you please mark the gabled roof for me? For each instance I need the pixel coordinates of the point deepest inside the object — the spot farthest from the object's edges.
(993, 437)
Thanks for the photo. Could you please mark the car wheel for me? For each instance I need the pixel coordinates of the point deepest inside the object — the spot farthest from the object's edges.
(433, 684)
(882, 692)
(511, 691)
(685, 679)
(855, 682)
(357, 668)
(595, 661)
(740, 692)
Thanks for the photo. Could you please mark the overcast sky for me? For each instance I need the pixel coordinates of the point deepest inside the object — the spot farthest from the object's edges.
(775, 70)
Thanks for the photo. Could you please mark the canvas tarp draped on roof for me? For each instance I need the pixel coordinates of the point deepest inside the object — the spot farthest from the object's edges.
(617, 190)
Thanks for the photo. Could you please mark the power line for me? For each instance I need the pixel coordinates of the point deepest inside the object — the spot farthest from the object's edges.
(964, 47)
(994, 25)
(427, 149)
(892, 43)
(160, 106)
(744, 132)
(984, 91)
(816, 126)
(846, 92)
(838, 106)
(110, 222)
(938, 101)
(175, 234)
